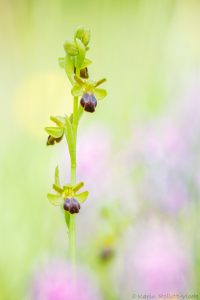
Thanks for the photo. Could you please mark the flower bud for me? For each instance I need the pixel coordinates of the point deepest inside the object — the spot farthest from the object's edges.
(71, 205)
(71, 48)
(83, 35)
(88, 102)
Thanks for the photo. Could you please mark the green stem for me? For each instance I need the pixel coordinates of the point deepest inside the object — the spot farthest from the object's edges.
(72, 220)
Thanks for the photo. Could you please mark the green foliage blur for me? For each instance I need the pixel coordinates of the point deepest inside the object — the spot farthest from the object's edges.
(145, 49)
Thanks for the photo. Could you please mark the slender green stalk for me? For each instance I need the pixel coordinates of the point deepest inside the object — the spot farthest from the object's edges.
(72, 220)
(72, 248)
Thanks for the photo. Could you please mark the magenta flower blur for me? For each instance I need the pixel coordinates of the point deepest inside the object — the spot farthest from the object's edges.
(54, 281)
(93, 159)
(157, 262)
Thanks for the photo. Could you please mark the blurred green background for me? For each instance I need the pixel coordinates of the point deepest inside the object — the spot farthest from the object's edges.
(146, 49)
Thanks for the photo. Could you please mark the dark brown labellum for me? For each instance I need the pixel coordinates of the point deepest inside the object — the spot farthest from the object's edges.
(83, 73)
(88, 102)
(71, 205)
(52, 140)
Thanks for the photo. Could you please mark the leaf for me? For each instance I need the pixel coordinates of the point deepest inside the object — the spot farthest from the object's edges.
(82, 197)
(67, 218)
(56, 132)
(56, 177)
(78, 186)
(86, 62)
(81, 55)
(70, 139)
(69, 68)
(61, 62)
(77, 90)
(100, 93)
(55, 199)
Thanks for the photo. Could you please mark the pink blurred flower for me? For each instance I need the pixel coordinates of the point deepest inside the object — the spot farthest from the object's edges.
(156, 262)
(54, 281)
(94, 150)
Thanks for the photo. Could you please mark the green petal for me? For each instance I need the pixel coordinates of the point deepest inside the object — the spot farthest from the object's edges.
(77, 90)
(55, 199)
(99, 82)
(78, 186)
(56, 132)
(82, 197)
(100, 93)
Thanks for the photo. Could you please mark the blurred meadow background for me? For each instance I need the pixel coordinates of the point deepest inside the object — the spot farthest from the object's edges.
(138, 154)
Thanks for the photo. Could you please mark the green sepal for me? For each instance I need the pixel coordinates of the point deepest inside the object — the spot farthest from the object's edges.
(78, 186)
(82, 197)
(79, 59)
(60, 121)
(100, 93)
(71, 48)
(70, 138)
(61, 62)
(56, 132)
(56, 177)
(77, 90)
(55, 199)
(57, 188)
(86, 62)
(67, 218)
